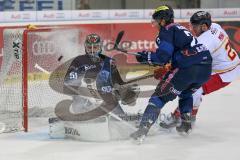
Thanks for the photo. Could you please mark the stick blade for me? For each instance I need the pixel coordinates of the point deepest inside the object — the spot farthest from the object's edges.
(118, 39)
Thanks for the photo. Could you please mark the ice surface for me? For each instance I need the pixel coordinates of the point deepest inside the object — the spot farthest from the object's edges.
(216, 136)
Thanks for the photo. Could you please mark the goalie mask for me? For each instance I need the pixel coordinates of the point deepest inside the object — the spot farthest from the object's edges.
(93, 46)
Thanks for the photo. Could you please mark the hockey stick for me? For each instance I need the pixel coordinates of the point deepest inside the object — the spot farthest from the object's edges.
(118, 40)
(116, 45)
(138, 79)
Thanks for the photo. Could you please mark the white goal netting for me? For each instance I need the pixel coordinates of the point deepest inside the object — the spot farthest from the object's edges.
(29, 58)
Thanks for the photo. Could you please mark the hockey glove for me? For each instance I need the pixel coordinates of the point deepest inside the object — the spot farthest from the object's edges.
(161, 71)
(144, 57)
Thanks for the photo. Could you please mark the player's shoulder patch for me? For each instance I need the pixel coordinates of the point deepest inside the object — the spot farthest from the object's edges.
(214, 31)
(221, 36)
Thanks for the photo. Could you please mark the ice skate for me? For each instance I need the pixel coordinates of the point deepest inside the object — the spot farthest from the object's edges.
(169, 121)
(186, 126)
(140, 134)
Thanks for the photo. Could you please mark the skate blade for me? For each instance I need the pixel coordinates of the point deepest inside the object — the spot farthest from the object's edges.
(167, 130)
(185, 133)
(139, 140)
(168, 126)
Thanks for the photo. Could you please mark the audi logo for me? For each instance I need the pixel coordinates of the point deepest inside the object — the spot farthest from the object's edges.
(43, 48)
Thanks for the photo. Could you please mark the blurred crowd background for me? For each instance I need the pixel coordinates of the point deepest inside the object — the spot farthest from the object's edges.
(10, 5)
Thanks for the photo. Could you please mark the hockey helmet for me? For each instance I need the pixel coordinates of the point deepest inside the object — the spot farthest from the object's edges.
(93, 45)
(164, 12)
(201, 17)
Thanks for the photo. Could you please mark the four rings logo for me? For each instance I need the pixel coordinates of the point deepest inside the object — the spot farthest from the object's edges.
(43, 47)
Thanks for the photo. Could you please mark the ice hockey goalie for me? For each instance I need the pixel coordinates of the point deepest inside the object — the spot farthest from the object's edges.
(96, 87)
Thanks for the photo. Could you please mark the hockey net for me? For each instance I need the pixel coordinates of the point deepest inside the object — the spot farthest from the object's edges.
(29, 58)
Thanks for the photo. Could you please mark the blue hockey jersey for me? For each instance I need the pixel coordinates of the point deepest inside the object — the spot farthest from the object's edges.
(178, 46)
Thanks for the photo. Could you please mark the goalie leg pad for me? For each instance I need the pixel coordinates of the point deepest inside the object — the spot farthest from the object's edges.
(96, 130)
(56, 128)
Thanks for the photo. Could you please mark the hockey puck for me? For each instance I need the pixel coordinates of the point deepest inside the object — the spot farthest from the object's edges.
(60, 58)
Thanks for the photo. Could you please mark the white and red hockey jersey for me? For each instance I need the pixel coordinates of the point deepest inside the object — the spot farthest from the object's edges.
(226, 61)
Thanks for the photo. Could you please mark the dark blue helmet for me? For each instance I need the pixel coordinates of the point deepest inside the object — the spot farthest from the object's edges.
(164, 12)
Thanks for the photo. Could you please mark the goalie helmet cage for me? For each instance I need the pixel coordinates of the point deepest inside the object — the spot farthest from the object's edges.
(29, 56)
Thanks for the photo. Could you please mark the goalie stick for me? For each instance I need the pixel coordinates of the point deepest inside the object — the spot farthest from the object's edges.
(41, 69)
(77, 92)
